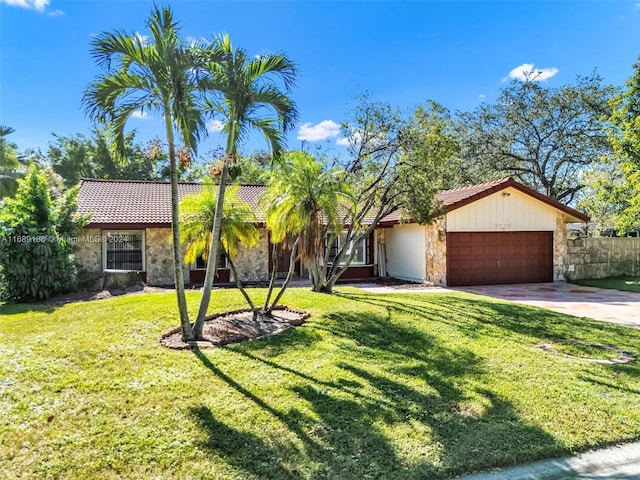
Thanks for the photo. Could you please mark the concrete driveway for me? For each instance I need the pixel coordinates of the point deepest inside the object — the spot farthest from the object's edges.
(601, 304)
(607, 305)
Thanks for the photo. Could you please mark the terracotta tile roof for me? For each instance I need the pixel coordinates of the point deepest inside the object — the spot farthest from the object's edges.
(460, 197)
(130, 202)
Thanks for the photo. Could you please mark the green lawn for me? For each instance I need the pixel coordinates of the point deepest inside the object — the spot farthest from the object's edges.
(373, 386)
(630, 284)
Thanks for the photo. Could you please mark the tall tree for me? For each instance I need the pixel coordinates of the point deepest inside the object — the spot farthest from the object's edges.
(11, 164)
(247, 93)
(151, 74)
(305, 201)
(625, 136)
(397, 161)
(542, 136)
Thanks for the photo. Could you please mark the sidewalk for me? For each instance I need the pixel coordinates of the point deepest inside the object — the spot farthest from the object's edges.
(621, 462)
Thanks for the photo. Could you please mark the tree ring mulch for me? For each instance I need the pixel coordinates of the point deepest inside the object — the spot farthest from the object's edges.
(623, 356)
(237, 326)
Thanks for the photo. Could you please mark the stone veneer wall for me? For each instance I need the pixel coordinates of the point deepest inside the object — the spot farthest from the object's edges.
(559, 248)
(88, 254)
(601, 257)
(159, 257)
(253, 263)
(436, 252)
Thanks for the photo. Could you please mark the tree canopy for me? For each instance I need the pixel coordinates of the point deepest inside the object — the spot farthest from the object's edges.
(540, 135)
(79, 156)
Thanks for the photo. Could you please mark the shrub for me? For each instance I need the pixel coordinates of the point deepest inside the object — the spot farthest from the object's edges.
(36, 241)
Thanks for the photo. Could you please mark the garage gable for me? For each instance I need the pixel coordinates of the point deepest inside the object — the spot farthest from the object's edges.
(506, 210)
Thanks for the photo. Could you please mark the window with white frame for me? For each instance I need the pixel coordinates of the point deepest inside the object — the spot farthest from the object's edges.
(124, 250)
(360, 257)
(202, 265)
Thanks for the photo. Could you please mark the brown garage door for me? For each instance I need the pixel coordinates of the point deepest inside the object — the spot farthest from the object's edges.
(486, 258)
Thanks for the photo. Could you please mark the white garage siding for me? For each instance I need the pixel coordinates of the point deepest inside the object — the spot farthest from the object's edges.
(405, 246)
(507, 210)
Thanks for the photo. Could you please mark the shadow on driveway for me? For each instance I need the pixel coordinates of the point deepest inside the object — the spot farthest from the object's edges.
(612, 306)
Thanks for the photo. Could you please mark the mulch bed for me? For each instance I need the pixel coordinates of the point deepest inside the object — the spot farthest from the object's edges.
(237, 326)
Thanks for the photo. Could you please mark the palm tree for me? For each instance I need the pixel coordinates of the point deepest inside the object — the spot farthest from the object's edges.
(305, 201)
(246, 94)
(197, 212)
(150, 74)
(10, 164)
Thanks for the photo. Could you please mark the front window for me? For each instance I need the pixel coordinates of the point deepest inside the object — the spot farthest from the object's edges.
(360, 257)
(124, 250)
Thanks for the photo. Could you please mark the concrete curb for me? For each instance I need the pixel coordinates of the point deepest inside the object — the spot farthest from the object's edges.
(621, 461)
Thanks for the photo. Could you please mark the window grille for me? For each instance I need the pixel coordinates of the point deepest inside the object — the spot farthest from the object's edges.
(124, 250)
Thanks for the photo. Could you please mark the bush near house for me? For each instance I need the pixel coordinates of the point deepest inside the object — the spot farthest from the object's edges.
(36, 241)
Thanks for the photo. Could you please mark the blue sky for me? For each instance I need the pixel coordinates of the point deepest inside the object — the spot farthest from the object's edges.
(457, 53)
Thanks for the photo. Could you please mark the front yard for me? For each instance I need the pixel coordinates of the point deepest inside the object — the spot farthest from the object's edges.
(372, 386)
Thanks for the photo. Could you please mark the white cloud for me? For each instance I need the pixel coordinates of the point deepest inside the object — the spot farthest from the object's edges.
(482, 96)
(39, 5)
(141, 114)
(353, 139)
(320, 131)
(56, 13)
(526, 71)
(214, 126)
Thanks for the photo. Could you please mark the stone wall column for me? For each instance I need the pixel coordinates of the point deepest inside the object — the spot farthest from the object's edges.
(559, 249)
(436, 252)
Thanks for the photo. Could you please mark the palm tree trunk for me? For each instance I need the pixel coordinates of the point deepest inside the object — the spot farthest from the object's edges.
(292, 266)
(212, 262)
(178, 272)
(239, 284)
(274, 273)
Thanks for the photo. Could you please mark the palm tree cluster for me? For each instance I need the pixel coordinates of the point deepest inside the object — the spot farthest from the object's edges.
(189, 83)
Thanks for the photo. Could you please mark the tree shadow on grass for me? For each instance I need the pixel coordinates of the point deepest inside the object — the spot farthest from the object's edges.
(476, 316)
(20, 308)
(395, 381)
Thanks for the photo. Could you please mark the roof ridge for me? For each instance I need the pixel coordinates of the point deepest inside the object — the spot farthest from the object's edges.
(160, 182)
(492, 183)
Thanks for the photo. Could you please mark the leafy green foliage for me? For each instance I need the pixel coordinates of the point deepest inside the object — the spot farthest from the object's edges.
(625, 118)
(625, 136)
(429, 156)
(605, 196)
(542, 136)
(77, 156)
(196, 222)
(12, 164)
(36, 241)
